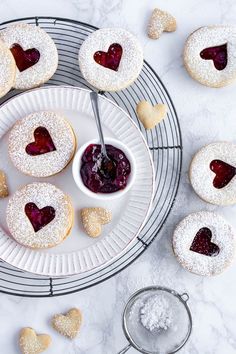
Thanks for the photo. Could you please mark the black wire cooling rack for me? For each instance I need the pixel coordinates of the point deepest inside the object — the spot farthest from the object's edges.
(164, 142)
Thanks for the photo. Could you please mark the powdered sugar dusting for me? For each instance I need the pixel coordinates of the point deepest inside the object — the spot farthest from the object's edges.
(204, 70)
(130, 65)
(93, 218)
(49, 163)
(31, 36)
(42, 194)
(7, 69)
(31, 343)
(69, 324)
(222, 235)
(201, 176)
(156, 314)
(160, 21)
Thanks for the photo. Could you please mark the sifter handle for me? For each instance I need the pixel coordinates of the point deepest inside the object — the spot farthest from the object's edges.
(124, 350)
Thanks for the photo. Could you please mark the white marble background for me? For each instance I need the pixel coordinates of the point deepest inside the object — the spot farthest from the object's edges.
(206, 115)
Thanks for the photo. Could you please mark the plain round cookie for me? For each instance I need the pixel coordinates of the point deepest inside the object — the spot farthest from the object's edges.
(202, 70)
(7, 69)
(46, 164)
(42, 195)
(223, 236)
(202, 177)
(31, 36)
(130, 64)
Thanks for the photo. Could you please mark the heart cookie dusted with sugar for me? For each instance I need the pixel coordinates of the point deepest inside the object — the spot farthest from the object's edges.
(32, 343)
(68, 325)
(160, 21)
(150, 115)
(3, 185)
(93, 219)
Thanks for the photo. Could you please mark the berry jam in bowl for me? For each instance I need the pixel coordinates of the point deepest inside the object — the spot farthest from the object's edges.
(102, 179)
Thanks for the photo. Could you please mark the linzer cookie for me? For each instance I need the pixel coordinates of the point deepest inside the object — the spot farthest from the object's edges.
(7, 69)
(212, 173)
(110, 59)
(41, 144)
(35, 54)
(210, 55)
(204, 243)
(39, 215)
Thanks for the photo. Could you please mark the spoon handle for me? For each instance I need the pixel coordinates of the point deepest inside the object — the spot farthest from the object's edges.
(94, 101)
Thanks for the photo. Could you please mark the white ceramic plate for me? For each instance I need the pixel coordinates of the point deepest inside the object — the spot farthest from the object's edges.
(78, 253)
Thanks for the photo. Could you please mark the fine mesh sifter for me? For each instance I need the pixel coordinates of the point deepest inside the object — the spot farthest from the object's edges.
(157, 341)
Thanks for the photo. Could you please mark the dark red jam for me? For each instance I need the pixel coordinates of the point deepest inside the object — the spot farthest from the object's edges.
(43, 143)
(110, 59)
(224, 173)
(202, 243)
(100, 177)
(39, 217)
(24, 58)
(218, 54)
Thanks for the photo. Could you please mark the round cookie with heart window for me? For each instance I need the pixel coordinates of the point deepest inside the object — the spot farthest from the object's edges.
(35, 54)
(204, 243)
(110, 59)
(212, 173)
(209, 55)
(41, 144)
(39, 215)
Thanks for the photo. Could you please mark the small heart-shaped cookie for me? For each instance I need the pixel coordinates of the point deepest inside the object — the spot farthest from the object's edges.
(150, 115)
(3, 185)
(93, 219)
(68, 325)
(32, 343)
(160, 21)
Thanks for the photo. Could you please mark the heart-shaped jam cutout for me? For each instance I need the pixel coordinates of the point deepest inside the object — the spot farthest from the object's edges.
(43, 143)
(39, 217)
(202, 243)
(224, 173)
(218, 54)
(110, 59)
(24, 58)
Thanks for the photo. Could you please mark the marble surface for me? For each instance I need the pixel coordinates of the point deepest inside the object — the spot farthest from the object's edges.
(206, 115)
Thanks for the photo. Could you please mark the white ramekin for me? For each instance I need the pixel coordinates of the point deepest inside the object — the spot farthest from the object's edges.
(103, 196)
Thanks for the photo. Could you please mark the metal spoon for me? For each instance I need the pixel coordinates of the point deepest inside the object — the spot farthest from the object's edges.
(107, 166)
